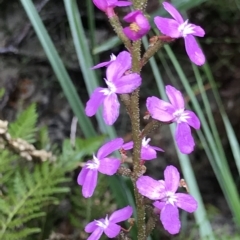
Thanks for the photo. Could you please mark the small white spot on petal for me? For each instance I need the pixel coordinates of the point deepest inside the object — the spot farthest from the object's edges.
(112, 57)
(103, 224)
(145, 141)
(94, 164)
(171, 197)
(186, 28)
(180, 116)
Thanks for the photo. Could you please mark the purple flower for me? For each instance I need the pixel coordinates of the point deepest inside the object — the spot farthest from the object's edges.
(87, 178)
(117, 82)
(175, 112)
(139, 25)
(108, 225)
(167, 200)
(147, 152)
(177, 28)
(107, 6)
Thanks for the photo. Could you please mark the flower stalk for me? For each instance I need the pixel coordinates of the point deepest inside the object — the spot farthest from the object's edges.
(117, 27)
(135, 121)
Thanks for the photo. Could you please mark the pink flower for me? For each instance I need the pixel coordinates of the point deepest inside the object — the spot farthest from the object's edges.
(108, 225)
(87, 178)
(175, 112)
(176, 28)
(147, 152)
(139, 25)
(107, 6)
(118, 83)
(167, 200)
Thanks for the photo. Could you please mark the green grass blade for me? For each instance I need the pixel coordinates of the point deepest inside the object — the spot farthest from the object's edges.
(107, 45)
(58, 67)
(85, 58)
(200, 215)
(230, 132)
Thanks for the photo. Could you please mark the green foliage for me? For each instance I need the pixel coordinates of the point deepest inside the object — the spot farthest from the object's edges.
(27, 193)
(24, 126)
(101, 203)
(28, 189)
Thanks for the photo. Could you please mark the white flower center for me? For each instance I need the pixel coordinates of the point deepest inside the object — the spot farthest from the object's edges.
(111, 88)
(104, 224)
(145, 142)
(180, 116)
(171, 197)
(186, 28)
(112, 57)
(94, 164)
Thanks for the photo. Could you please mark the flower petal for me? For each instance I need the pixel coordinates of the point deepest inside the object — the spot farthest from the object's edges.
(94, 102)
(167, 26)
(82, 176)
(109, 147)
(194, 51)
(150, 188)
(175, 97)
(112, 230)
(102, 64)
(186, 202)
(172, 178)
(184, 138)
(198, 31)
(159, 109)
(117, 68)
(90, 183)
(169, 217)
(90, 227)
(159, 205)
(157, 148)
(128, 83)
(111, 109)
(193, 120)
(109, 166)
(128, 146)
(123, 4)
(96, 234)
(101, 4)
(173, 11)
(132, 35)
(130, 17)
(143, 24)
(121, 214)
(148, 153)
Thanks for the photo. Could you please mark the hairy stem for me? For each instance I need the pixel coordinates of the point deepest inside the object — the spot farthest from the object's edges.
(155, 45)
(140, 4)
(135, 121)
(114, 21)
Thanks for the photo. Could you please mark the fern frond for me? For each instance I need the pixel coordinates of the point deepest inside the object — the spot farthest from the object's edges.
(22, 234)
(25, 125)
(6, 168)
(32, 192)
(89, 208)
(19, 222)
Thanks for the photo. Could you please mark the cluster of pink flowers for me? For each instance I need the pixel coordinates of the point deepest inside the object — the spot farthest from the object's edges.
(120, 80)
